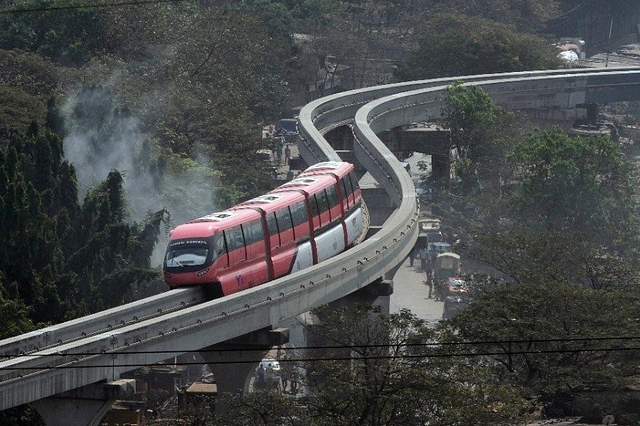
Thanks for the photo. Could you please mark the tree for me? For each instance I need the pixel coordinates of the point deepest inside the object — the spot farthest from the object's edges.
(522, 15)
(455, 45)
(60, 259)
(481, 133)
(53, 29)
(378, 369)
(576, 184)
(552, 339)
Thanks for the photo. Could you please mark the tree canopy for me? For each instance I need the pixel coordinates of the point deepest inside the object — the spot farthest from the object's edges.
(60, 258)
(455, 45)
(553, 340)
(579, 184)
(381, 369)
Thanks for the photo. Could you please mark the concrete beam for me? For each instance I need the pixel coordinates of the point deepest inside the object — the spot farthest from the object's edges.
(84, 406)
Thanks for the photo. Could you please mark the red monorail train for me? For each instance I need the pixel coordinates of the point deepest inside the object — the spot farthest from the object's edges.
(300, 223)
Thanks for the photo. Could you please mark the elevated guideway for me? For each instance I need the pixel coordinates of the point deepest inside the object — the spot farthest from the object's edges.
(81, 357)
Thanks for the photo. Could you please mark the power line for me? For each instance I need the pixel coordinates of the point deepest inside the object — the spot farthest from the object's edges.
(408, 356)
(404, 355)
(339, 346)
(88, 6)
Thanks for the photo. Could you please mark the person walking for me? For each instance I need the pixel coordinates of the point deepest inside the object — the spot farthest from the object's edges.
(429, 283)
(412, 255)
(279, 152)
(424, 256)
(287, 155)
(284, 377)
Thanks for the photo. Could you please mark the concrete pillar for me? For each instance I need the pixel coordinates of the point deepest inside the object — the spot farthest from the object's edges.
(84, 406)
(234, 361)
(340, 138)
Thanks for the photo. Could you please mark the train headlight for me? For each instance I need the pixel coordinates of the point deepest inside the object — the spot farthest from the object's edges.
(203, 272)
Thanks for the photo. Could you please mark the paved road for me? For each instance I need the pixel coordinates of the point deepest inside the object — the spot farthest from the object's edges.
(410, 292)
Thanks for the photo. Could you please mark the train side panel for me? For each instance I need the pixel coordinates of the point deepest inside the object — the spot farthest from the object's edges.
(330, 242)
(355, 226)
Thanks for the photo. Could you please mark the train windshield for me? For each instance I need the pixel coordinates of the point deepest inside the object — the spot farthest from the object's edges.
(189, 254)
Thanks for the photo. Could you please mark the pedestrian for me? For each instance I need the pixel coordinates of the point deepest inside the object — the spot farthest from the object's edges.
(284, 376)
(261, 375)
(287, 155)
(279, 151)
(412, 255)
(294, 380)
(424, 255)
(429, 283)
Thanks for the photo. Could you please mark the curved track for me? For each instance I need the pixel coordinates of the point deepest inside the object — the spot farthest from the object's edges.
(102, 346)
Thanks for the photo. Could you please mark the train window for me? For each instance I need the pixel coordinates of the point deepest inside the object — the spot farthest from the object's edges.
(332, 196)
(313, 203)
(271, 224)
(181, 255)
(345, 193)
(350, 182)
(323, 203)
(299, 213)
(284, 219)
(234, 238)
(253, 232)
(219, 245)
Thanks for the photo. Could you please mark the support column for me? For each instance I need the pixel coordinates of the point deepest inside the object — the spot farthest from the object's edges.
(84, 406)
(233, 362)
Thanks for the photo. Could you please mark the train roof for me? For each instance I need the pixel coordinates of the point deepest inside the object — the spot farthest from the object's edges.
(272, 201)
(210, 224)
(336, 167)
(308, 184)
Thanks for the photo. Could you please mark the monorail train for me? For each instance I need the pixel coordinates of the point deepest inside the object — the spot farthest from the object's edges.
(300, 223)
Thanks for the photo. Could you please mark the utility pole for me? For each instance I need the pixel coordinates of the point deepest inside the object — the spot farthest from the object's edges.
(606, 63)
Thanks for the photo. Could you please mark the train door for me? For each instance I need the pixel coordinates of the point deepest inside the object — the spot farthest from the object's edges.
(256, 252)
(238, 276)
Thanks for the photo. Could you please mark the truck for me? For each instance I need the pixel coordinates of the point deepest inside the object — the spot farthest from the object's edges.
(428, 232)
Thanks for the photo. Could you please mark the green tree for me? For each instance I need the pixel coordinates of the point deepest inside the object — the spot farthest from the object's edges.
(576, 184)
(482, 134)
(55, 247)
(553, 340)
(456, 45)
(14, 313)
(378, 369)
(54, 29)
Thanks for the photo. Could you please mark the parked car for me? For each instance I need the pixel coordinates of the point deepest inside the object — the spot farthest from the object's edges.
(453, 305)
(287, 128)
(456, 286)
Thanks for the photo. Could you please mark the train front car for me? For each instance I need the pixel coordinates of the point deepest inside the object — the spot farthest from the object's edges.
(214, 251)
(300, 223)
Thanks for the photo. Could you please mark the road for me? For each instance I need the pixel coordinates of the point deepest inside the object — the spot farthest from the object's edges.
(410, 292)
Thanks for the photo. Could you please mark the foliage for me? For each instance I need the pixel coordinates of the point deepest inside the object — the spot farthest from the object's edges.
(554, 339)
(577, 184)
(481, 134)
(380, 369)
(58, 255)
(466, 46)
(523, 15)
(265, 408)
(14, 315)
(565, 257)
(53, 28)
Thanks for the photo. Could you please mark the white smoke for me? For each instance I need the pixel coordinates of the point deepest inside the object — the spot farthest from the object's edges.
(99, 140)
